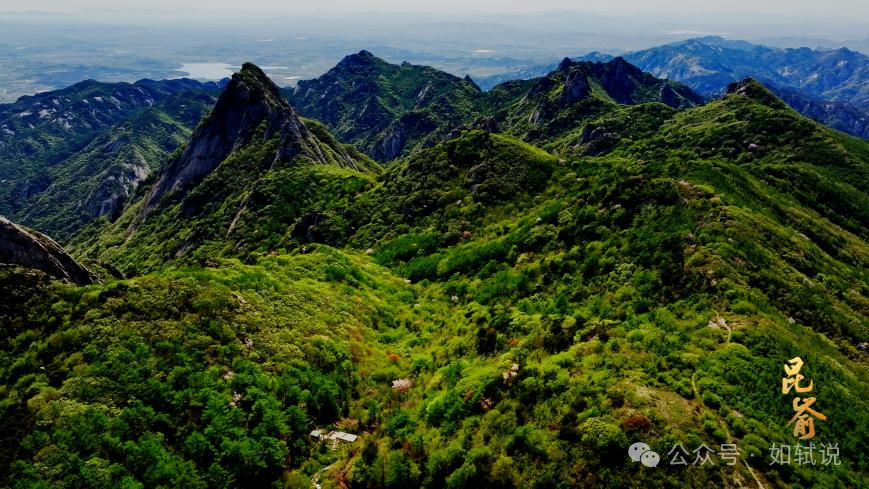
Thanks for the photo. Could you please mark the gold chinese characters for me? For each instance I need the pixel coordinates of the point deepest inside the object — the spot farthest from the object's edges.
(804, 419)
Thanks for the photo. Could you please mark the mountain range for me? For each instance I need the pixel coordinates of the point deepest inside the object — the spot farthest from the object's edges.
(71, 156)
(827, 85)
(389, 110)
(707, 64)
(505, 288)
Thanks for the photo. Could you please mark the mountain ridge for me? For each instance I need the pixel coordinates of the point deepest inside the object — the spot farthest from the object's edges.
(425, 104)
(733, 60)
(388, 109)
(251, 141)
(708, 64)
(61, 177)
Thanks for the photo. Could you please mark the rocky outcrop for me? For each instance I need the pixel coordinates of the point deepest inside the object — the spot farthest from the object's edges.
(575, 87)
(26, 248)
(393, 143)
(416, 125)
(755, 90)
(668, 96)
(28, 188)
(488, 124)
(113, 191)
(597, 140)
(578, 92)
(622, 82)
(251, 106)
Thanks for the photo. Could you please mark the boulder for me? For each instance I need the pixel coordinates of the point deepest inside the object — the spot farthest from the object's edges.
(26, 248)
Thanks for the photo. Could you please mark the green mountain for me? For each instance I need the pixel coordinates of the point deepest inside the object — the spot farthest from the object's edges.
(246, 174)
(388, 110)
(482, 312)
(71, 156)
(556, 107)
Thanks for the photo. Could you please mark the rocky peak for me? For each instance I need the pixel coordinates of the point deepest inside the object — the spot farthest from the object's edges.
(23, 247)
(250, 100)
(565, 64)
(576, 87)
(362, 59)
(754, 90)
(471, 81)
(620, 72)
(668, 96)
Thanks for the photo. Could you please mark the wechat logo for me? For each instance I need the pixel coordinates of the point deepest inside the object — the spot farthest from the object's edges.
(640, 452)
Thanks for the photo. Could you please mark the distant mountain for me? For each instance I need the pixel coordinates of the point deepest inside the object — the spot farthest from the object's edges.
(830, 86)
(392, 110)
(387, 110)
(555, 108)
(489, 82)
(70, 156)
(861, 45)
(838, 115)
(709, 64)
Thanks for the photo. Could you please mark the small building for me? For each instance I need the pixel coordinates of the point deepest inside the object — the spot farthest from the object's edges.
(340, 435)
(335, 436)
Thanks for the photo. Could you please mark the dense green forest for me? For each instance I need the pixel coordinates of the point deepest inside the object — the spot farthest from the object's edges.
(512, 304)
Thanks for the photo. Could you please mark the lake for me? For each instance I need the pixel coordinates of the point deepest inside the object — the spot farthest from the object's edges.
(206, 71)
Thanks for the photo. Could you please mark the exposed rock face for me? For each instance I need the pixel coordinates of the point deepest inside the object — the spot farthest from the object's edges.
(30, 249)
(306, 226)
(108, 198)
(249, 101)
(669, 96)
(575, 87)
(622, 81)
(417, 125)
(597, 140)
(28, 188)
(34, 126)
(488, 124)
(60, 179)
(394, 141)
(626, 84)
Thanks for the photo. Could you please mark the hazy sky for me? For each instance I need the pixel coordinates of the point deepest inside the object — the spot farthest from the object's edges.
(803, 8)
